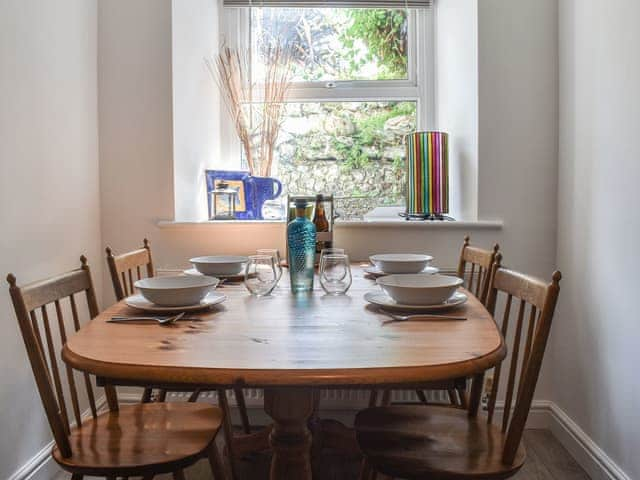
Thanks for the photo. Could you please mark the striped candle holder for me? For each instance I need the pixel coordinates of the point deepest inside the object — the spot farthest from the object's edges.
(427, 175)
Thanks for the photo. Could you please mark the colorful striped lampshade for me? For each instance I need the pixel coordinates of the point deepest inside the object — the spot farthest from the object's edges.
(427, 174)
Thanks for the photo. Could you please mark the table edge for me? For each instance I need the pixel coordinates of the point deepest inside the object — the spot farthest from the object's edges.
(365, 376)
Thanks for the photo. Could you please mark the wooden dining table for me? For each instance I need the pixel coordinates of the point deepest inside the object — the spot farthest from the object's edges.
(290, 345)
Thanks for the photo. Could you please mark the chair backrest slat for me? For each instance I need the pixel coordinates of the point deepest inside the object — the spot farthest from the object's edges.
(75, 404)
(53, 366)
(36, 334)
(514, 366)
(471, 277)
(87, 379)
(529, 341)
(479, 281)
(27, 301)
(540, 299)
(121, 268)
(498, 370)
(480, 260)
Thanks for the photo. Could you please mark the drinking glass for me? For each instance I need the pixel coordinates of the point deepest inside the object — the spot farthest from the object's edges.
(335, 274)
(260, 275)
(331, 251)
(275, 253)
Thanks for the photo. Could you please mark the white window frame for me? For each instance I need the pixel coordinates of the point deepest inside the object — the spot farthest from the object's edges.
(419, 87)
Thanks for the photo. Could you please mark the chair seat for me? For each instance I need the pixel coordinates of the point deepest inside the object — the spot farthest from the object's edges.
(159, 436)
(434, 443)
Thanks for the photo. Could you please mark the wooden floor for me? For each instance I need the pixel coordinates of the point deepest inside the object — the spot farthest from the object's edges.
(546, 460)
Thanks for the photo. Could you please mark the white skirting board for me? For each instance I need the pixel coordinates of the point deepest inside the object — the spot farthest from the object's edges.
(341, 405)
(42, 466)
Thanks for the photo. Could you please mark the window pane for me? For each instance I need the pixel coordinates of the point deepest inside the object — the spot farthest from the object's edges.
(351, 149)
(333, 43)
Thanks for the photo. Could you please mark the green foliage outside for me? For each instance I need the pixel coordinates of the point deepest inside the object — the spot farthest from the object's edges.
(384, 33)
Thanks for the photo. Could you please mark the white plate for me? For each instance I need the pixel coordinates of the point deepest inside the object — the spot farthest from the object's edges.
(141, 303)
(232, 278)
(376, 272)
(383, 300)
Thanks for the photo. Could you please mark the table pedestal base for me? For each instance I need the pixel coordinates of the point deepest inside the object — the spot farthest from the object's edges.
(290, 438)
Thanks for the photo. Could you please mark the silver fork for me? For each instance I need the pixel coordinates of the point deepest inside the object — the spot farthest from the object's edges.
(160, 320)
(419, 316)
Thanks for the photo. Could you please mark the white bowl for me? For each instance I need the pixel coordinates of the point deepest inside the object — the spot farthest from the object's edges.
(220, 264)
(419, 289)
(401, 262)
(176, 291)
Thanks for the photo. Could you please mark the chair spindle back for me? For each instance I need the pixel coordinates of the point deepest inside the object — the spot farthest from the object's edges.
(122, 268)
(536, 302)
(33, 304)
(478, 278)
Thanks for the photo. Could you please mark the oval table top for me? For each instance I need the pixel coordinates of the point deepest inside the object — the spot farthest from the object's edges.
(289, 340)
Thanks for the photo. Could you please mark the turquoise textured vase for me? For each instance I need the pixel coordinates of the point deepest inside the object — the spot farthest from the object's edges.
(301, 242)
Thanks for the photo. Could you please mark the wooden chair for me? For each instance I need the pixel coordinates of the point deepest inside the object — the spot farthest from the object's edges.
(479, 275)
(125, 269)
(427, 442)
(481, 261)
(121, 268)
(130, 440)
(477, 282)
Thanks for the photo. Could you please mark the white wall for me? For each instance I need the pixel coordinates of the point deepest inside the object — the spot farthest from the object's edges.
(597, 332)
(456, 98)
(196, 103)
(49, 190)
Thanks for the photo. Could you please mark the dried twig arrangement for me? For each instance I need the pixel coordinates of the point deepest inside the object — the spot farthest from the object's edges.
(257, 118)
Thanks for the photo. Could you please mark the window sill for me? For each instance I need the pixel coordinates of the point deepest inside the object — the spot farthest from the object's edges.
(373, 223)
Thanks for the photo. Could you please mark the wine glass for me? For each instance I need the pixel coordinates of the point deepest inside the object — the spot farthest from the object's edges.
(275, 253)
(335, 274)
(260, 275)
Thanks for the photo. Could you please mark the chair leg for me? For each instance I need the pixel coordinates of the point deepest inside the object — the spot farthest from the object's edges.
(146, 395)
(178, 475)
(464, 399)
(112, 397)
(227, 428)
(421, 396)
(194, 396)
(373, 398)
(386, 398)
(76, 476)
(215, 462)
(367, 472)
(242, 408)
(453, 397)
(162, 395)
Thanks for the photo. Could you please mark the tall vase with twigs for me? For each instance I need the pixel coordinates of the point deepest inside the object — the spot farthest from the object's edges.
(256, 109)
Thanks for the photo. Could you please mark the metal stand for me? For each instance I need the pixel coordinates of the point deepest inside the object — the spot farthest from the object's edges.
(426, 216)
